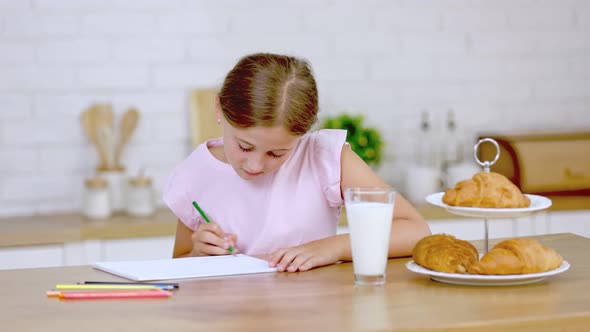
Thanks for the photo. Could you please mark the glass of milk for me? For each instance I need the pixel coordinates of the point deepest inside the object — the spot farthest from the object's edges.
(370, 213)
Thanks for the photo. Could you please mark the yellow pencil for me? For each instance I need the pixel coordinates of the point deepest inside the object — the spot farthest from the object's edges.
(134, 287)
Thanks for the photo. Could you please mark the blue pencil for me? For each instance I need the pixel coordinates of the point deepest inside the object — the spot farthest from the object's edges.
(171, 285)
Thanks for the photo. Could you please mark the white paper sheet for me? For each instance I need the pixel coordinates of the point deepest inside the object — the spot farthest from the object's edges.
(182, 268)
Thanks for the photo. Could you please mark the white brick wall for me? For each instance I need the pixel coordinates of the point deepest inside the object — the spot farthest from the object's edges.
(501, 65)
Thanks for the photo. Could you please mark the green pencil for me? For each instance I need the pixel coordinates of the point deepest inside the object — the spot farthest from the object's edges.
(202, 213)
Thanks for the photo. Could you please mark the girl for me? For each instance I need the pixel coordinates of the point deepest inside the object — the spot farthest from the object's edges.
(270, 187)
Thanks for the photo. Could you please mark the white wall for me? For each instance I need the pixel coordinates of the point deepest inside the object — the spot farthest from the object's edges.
(501, 65)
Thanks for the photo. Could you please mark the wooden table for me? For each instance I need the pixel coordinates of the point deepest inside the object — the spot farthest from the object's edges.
(323, 299)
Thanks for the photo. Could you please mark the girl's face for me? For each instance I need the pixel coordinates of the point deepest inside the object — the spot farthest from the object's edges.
(257, 151)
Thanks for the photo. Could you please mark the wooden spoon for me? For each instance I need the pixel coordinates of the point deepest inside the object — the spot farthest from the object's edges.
(91, 120)
(107, 143)
(105, 130)
(128, 124)
(106, 115)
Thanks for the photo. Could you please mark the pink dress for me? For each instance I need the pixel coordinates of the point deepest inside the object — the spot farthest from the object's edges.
(298, 203)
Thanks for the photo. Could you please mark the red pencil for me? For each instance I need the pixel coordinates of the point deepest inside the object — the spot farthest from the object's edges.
(112, 295)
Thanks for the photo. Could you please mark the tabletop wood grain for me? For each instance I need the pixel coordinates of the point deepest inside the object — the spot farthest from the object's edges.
(320, 299)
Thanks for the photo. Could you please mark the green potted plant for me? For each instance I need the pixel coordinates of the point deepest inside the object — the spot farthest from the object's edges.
(365, 141)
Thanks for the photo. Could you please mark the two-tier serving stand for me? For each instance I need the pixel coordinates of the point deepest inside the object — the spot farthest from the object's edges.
(537, 202)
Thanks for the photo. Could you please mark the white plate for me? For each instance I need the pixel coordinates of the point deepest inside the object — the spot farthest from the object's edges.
(537, 203)
(486, 280)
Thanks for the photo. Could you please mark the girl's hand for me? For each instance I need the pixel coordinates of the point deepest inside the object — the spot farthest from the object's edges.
(209, 239)
(307, 256)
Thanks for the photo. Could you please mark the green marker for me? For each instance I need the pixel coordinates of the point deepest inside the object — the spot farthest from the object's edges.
(202, 213)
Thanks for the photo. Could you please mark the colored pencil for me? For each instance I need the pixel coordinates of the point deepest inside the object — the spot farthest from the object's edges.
(103, 287)
(202, 213)
(113, 295)
(173, 285)
(56, 293)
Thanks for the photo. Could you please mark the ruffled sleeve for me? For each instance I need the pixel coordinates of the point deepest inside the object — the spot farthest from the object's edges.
(327, 149)
(177, 196)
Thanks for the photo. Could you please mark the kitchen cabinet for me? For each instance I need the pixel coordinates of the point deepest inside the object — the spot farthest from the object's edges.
(137, 249)
(577, 222)
(160, 247)
(86, 252)
(571, 221)
(34, 256)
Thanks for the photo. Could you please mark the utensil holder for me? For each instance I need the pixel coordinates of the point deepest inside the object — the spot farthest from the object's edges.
(97, 200)
(117, 188)
(140, 198)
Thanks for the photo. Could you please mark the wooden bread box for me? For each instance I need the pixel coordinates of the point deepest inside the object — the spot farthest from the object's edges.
(549, 164)
(202, 117)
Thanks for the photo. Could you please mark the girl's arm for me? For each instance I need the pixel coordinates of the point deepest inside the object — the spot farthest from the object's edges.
(183, 243)
(408, 226)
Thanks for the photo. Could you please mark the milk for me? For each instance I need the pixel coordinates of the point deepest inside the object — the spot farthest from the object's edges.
(370, 226)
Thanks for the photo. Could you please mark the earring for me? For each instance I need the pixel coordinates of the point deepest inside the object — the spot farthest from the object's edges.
(218, 121)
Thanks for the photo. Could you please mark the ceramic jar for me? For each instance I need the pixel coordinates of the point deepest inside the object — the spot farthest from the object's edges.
(97, 200)
(140, 200)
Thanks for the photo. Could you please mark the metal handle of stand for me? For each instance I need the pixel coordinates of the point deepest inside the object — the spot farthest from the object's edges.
(486, 168)
(486, 164)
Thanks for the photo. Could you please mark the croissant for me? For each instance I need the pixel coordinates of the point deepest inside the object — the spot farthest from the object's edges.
(517, 256)
(486, 190)
(444, 253)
